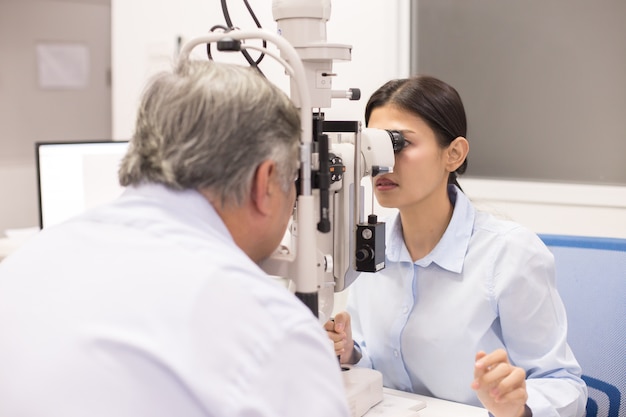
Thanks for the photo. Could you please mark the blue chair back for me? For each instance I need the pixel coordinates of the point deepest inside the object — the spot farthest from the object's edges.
(591, 279)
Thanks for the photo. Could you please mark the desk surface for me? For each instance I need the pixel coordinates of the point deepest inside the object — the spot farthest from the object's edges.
(6, 247)
(14, 239)
(434, 407)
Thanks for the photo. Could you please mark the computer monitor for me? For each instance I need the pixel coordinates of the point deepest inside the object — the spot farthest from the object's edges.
(75, 176)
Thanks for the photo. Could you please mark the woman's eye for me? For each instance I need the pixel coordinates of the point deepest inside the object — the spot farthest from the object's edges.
(398, 140)
(404, 145)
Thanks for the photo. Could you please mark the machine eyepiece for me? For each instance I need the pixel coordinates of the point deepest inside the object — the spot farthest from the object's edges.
(397, 140)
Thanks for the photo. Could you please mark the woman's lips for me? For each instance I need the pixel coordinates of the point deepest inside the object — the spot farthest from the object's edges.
(385, 184)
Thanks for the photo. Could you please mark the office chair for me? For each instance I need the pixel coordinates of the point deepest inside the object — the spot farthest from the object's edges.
(591, 279)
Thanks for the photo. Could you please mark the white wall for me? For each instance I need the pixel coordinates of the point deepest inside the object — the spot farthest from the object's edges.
(553, 208)
(29, 112)
(145, 32)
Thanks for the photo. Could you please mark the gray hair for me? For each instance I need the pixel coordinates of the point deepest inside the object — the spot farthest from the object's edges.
(208, 125)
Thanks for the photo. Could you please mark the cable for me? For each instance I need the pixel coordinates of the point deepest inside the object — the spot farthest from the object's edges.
(256, 21)
(229, 26)
(258, 25)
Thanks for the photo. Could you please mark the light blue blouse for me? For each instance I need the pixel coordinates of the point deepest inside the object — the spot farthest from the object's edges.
(488, 284)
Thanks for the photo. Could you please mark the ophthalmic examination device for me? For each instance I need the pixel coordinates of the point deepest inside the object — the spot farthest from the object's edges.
(328, 236)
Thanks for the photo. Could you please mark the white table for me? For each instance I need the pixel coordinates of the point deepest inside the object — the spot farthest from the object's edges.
(392, 406)
(7, 246)
(14, 239)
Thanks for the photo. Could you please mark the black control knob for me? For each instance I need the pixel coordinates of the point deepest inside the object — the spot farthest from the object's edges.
(364, 254)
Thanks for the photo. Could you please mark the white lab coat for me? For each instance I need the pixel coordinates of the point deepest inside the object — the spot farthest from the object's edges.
(146, 307)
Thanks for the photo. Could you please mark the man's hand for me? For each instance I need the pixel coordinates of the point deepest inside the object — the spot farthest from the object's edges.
(500, 386)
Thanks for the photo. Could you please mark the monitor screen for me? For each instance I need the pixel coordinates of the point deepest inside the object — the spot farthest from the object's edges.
(75, 176)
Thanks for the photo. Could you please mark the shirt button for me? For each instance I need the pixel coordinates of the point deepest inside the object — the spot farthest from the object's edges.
(405, 309)
(396, 353)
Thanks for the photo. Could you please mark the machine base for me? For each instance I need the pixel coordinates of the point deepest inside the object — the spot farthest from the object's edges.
(364, 389)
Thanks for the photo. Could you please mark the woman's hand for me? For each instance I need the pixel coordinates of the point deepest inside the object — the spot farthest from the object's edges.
(500, 386)
(340, 332)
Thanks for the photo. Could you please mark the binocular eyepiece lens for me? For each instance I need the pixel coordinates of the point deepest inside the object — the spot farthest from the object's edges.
(397, 140)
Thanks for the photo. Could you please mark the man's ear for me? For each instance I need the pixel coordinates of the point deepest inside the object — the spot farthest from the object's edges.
(263, 186)
(457, 152)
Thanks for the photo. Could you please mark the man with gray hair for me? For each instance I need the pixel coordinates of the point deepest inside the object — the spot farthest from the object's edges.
(154, 305)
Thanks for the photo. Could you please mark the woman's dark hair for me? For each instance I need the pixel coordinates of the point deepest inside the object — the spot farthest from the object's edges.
(432, 100)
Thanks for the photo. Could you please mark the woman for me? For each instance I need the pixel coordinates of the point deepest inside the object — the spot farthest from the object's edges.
(466, 308)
